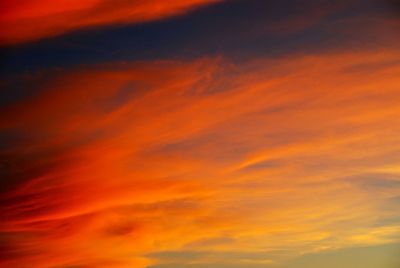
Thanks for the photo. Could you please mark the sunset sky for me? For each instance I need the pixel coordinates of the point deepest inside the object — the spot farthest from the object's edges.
(200, 134)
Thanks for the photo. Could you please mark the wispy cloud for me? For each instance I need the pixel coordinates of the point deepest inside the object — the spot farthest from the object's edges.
(112, 163)
(27, 20)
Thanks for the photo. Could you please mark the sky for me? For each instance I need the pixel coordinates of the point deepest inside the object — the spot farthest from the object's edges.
(200, 134)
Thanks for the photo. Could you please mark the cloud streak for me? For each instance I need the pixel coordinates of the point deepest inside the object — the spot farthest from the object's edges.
(28, 20)
(113, 164)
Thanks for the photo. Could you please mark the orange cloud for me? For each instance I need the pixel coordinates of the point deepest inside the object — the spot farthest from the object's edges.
(115, 163)
(26, 20)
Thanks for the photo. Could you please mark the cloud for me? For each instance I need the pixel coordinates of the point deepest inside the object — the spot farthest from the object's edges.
(114, 162)
(27, 20)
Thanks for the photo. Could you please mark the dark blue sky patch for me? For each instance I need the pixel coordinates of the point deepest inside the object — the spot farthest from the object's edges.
(236, 29)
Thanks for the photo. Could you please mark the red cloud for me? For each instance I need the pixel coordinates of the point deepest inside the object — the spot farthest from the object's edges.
(119, 161)
(25, 20)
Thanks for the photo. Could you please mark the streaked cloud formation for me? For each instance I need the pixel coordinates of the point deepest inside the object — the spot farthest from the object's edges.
(283, 153)
(129, 159)
(26, 20)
